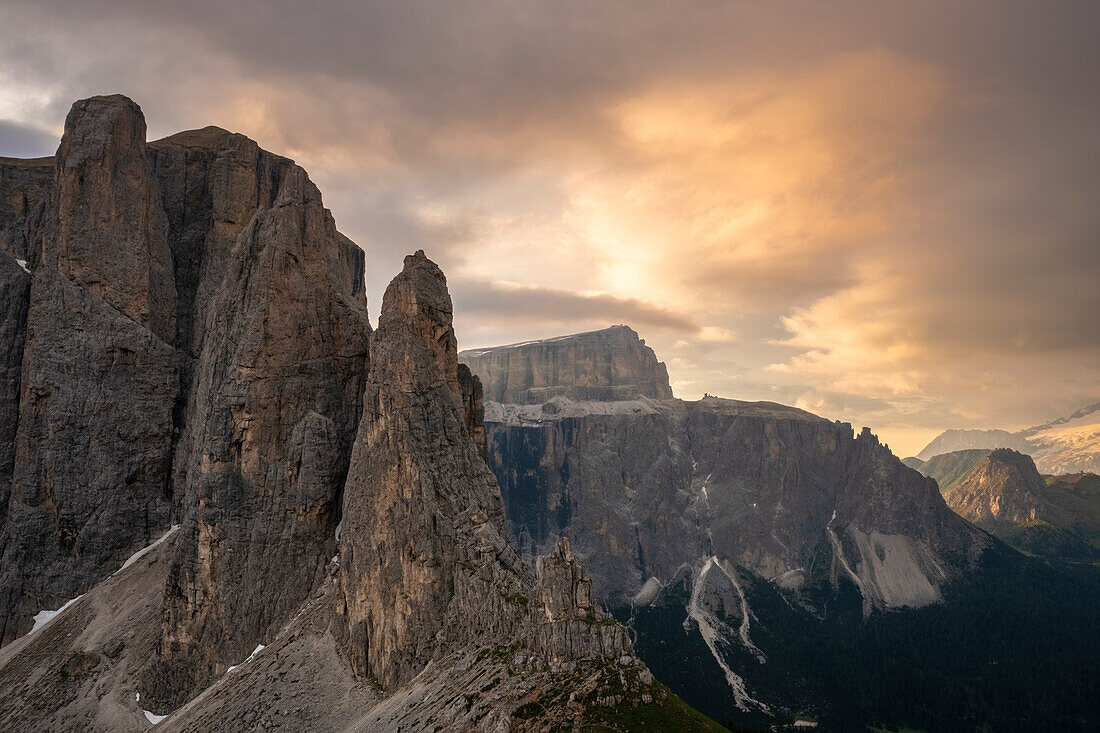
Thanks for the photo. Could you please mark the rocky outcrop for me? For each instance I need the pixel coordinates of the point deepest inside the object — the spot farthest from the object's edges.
(97, 378)
(108, 233)
(425, 566)
(211, 184)
(1006, 496)
(612, 364)
(567, 626)
(195, 347)
(267, 439)
(1003, 490)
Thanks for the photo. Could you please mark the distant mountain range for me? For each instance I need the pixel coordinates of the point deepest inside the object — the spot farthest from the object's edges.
(773, 564)
(1001, 491)
(1069, 444)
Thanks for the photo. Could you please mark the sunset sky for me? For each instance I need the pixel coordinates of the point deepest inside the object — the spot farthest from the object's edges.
(882, 212)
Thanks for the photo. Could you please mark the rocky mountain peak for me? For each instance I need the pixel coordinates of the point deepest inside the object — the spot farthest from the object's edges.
(609, 364)
(424, 562)
(110, 232)
(419, 350)
(564, 585)
(1005, 488)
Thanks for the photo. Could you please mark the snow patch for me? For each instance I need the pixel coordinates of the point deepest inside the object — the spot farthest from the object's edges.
(138, 555)
(703, 488)
(44, 617)
(791, 580)
(743, 630)
(259, 648)
(153, 717)
(23, 264)
(838, 551)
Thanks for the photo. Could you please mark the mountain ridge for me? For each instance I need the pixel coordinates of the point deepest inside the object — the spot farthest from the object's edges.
(1069, 444)
(740, 541)
(222, 326)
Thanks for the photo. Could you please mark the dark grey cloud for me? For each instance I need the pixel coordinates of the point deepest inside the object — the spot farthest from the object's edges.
(545, 307)
(22, 141)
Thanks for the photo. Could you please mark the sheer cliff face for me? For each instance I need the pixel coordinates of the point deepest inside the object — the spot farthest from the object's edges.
(426, 572)
(97, 380)
(274, 408)
(644, 485)
(424, 562)
(769, 488)
(188, 337)
(612, 364)
(709, 522)
(109, 234)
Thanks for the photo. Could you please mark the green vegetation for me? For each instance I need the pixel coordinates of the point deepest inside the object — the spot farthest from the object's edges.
(951, 469)
(672, 714)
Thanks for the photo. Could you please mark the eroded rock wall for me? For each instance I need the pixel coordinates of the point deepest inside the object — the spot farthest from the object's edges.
(767, 487)
(424, 561)
(268, 434)
(611, 364)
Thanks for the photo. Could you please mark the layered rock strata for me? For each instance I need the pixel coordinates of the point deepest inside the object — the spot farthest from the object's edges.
(611, 364)
(646, 486)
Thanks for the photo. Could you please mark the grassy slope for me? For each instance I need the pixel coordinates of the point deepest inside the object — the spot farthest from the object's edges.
(949, 469)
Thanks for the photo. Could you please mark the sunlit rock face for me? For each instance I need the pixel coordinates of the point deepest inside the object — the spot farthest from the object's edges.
(425, 565)
(1006, 496)
(612, 364)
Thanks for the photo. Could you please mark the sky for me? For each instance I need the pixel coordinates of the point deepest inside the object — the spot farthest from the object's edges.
(882, 212)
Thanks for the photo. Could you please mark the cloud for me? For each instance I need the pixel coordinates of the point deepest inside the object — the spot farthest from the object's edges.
(886, 212)
(21, 141)
(545, 309)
